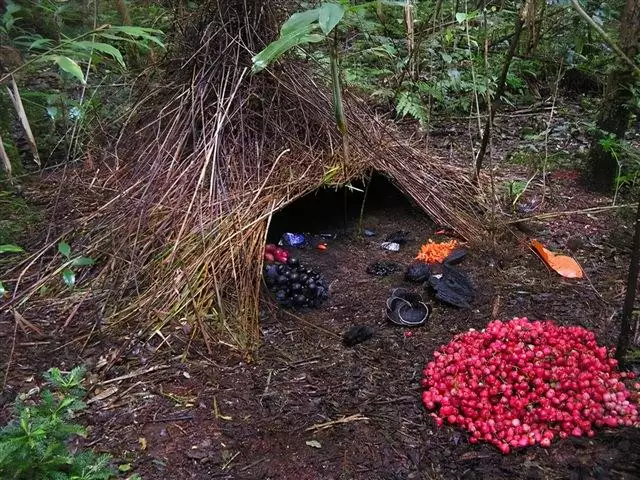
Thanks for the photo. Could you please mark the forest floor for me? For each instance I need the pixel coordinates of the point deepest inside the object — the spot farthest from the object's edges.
(216, 416)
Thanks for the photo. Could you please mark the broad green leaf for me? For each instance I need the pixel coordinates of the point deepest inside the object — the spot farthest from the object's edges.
(446, 57)
(10, 248)
(64, 249)
(150, 34)
(8, 19)
(3, 290)
(69, 66)
(110, 50)
(53, 112)
(41, 43)
(299, 21)
(330, 15)
(462, 16)
(276, 49)
(82, 262)
(125, 467)
(119, 38)
(69, 277)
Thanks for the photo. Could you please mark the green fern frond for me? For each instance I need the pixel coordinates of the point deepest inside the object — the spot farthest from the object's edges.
(35, 444)
(409, 103)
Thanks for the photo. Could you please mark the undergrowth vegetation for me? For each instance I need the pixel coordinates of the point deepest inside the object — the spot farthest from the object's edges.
(69, 67)
(450, 54)
(426, 60)
(36, 444)
(75, 63)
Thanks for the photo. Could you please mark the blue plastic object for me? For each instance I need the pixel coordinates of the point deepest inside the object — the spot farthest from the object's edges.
(293, 239)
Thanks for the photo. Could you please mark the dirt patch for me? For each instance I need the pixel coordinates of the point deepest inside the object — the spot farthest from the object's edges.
(215, 416)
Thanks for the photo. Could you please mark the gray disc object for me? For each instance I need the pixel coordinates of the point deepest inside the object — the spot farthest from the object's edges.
(407, 309)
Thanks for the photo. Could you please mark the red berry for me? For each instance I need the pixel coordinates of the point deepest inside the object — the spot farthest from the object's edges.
(518, 383)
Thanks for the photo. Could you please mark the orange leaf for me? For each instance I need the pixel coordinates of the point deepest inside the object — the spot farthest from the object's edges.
(565, 266)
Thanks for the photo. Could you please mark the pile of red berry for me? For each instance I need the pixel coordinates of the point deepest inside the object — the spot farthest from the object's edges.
(521, 383)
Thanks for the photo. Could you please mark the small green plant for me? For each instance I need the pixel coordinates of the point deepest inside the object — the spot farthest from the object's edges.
(10, 248)
(69, 383)
(68, 274)
(35, 444)
(514, 189)
(628, 160)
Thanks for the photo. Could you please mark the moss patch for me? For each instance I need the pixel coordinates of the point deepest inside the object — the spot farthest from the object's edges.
(18, 218)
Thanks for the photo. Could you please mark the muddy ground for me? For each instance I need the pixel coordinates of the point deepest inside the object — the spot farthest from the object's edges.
(216, 416)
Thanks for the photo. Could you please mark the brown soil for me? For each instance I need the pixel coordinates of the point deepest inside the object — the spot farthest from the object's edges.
(215, 416)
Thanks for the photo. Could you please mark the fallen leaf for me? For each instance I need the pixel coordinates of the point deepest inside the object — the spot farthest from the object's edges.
(23, 322)
(313, 443)
(143, 443)
(102, 395)
(565, 266)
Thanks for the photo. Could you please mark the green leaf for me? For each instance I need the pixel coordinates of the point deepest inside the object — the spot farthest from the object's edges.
(69, 66)
(110, 50)
(329, 16)
(64, 249)
(69, 277)
(41, 43)
(125, 467)
(82, 262)
(8, 19)
(276, 49)
(409, 103)
(53, 112)
(150, 34)
(10, 248)
(446, 57)
(3, 291)
(299, 21)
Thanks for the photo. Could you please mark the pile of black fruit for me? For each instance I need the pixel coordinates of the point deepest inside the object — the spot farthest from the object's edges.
(295, 285)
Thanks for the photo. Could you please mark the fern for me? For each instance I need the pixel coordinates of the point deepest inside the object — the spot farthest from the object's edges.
(34, 444)
(409, 103)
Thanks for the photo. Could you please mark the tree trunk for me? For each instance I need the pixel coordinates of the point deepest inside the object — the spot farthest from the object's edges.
(614, 114)
(499, 91)
(630, 298)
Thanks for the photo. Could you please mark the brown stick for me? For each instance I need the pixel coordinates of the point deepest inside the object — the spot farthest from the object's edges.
(123, 11)
(500, 89)
(13, 347)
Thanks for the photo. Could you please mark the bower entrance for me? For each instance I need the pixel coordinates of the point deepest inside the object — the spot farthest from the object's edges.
(334, 259)
(334, 211)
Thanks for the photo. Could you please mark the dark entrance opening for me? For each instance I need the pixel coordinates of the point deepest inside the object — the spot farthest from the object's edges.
(331, 210)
